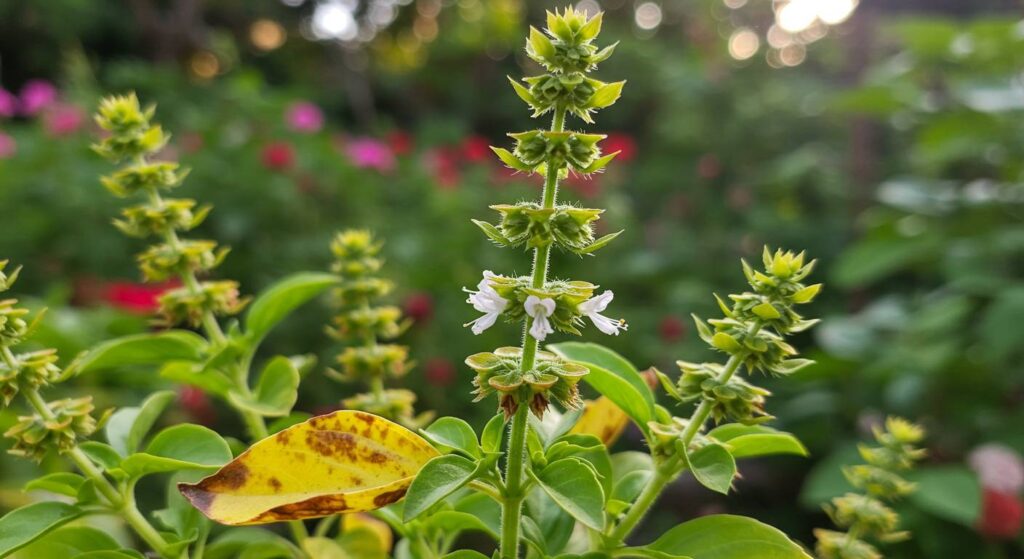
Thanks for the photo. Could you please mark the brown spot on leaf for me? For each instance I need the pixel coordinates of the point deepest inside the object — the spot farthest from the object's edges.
(324, 505)
(390, 497)
(199, 498)
(329, 443)
(231, 476)
(275, 484)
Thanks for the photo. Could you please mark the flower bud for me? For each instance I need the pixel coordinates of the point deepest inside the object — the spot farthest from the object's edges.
(189, 305)
(31, 371)
(170, 215)
(166, 260)
(394, 404)
(380, 322)
(840, 545)
(144, 177)
(365, 363)
(34, 436)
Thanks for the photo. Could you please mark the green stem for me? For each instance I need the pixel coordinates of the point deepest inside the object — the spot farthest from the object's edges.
(122, 504)
(514, 487)
(670, 468)
(513, 498)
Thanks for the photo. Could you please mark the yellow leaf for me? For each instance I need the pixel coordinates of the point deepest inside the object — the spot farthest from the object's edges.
(603, 419)
(347, 461)
(323, 548)
(368, 524)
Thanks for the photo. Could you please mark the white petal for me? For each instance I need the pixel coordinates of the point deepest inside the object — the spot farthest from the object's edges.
(548, 304)
(540, 328)
(531, 305)
(596, 304)
(607, 325)
(483, 323)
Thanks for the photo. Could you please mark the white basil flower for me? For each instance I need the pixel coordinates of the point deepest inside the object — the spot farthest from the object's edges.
(540, 309)
(487, 301)
(592, 309)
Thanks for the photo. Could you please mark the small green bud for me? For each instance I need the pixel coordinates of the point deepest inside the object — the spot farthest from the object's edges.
(379, 322)
(366, 363)
(840, 545)
(34, 436)
(394, 404)
(868, 514)
(144, 177)
(185, 305)
(170, 215)
(166, 260)
(31, 371)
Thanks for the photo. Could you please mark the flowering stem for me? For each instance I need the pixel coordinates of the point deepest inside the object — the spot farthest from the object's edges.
(514, 494)
(122, 504)
(669, 469)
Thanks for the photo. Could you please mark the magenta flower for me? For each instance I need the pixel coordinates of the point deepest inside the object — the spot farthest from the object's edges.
(63, 119)
(304, 117)
(7, 146)
(370, 153)
(8, 104)
(36, 95)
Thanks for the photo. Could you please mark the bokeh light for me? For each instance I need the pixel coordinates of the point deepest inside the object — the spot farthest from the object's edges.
(743, 43)
(648, 16)
(267, 35)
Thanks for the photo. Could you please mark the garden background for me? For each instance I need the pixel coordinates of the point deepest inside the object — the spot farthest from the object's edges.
(885, 138)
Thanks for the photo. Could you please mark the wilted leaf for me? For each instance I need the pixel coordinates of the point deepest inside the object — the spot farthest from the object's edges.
(347, 461)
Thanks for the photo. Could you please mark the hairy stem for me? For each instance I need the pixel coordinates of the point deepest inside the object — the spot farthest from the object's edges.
(514, 494)
(667, 471)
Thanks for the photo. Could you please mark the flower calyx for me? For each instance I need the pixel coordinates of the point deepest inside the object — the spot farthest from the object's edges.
(551, 379)
(395, 404)
(536, 149)
(531, 225)
(369, 362)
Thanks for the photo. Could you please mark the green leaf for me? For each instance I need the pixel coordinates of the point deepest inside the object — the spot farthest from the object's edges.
(573, 486)
(196, 374)
(490, 438)
(588, 448)
(745, 441)
(102, 454)
(727, 537)
(613, 376)
(511, 160)
(949, 492)
(111, 554)
(280, 299)
(440, 477)
(128, 426)
(453, 433)
(141, 349)
(276, 391)
(465, 554)
(24, 525)
(67, 542)
(61, 483)
(451, 523)
(181, 447)
(713, 467)
(629, 487)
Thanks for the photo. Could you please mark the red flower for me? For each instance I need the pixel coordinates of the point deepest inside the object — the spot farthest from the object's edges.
(139, 298)
(197, 404)
(278, 156)
(439, 371)
(671, 328)
(622, 143)
(476, 149)
(400, 142)
(419, 306)
(1001, 515)
(443, 163)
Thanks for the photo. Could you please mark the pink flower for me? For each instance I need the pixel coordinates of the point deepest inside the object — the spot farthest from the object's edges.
(999, 468)
(7, 146)
(197, 404)
(63, 119)
(36, 95)
(370, 153)
(8, 104)
(1001, 515)
(278, 156)
(137, 297)
(304, 117)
